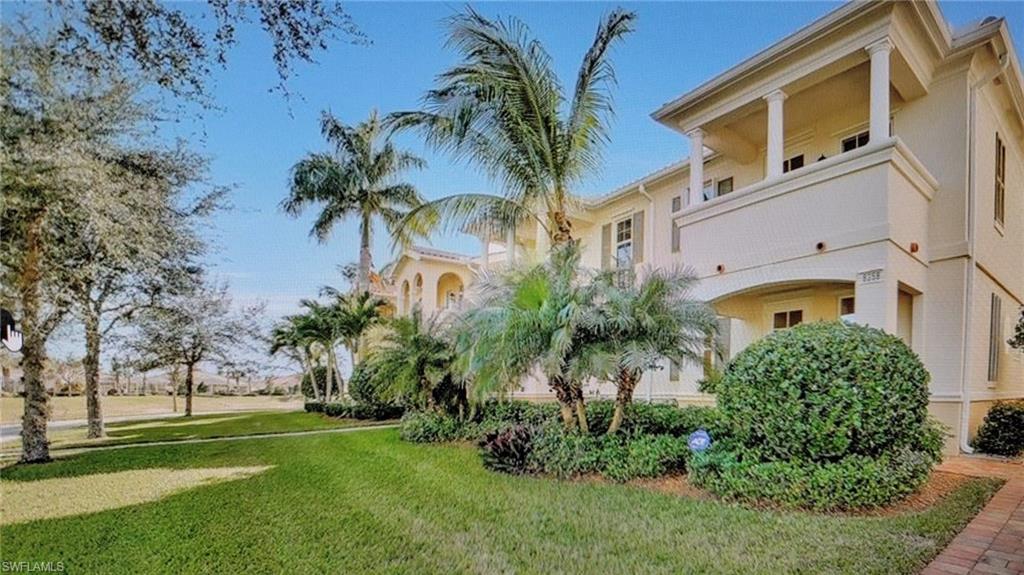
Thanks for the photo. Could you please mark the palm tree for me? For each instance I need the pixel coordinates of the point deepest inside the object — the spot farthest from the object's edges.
(359, 178)
(321, 325)
(529, 320)
(412, 358)
(293, 338)
(353, 314)
(503, 108)
(634, 326)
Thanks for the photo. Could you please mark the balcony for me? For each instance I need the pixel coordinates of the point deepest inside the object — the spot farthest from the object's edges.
(877, 192)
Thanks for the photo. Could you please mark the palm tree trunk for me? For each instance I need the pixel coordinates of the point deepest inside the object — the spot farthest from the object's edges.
(329, 385)
(563, 228)
(307, 367)
(565, 401)
(365, 257)
(188, 390)
(626, 383)
(581, 408)
(35, 447)
(91, 363)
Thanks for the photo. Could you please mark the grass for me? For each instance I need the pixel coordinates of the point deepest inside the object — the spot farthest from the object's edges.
(196, 427)
(65, 408)
(366, 502)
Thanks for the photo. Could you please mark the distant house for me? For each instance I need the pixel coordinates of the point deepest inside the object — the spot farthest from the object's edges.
(868, 168)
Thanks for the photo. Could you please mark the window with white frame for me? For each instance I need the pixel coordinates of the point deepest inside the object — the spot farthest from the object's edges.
(995, 337)
(709, 190)
(1000, 183)
(855, 141)
(624, 243)
(677, 203)
(847, 309)
(787, 319)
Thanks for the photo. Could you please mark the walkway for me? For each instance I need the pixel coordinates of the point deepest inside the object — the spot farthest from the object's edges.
(993, 542)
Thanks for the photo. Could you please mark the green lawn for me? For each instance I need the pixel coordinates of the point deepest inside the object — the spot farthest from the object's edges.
(366, 502)
(197, 427)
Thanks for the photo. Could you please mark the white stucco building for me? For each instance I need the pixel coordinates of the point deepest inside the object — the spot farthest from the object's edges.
(869, 167)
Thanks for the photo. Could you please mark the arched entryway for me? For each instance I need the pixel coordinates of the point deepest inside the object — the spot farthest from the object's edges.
(450, 290)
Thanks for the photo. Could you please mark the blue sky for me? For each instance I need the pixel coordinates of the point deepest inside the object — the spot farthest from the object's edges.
(259, 135)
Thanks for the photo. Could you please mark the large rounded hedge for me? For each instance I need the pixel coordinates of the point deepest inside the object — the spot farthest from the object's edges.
(824, 415)
(823, 391)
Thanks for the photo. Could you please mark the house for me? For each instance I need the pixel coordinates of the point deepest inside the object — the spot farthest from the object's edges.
(869, 168)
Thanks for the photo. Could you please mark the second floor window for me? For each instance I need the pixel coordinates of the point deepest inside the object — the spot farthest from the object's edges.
(794, 163)
(1000, 189)
(856, 141)
(724, 186)
(624, 243)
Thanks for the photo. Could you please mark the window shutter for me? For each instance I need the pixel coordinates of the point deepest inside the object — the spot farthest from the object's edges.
(995, 337)
(638, 237)
(606, 246)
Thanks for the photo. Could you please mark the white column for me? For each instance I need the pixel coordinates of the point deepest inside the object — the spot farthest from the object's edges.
(510, 245)
(485, 248)
(696, 166)
(879, 120)
(776, 141)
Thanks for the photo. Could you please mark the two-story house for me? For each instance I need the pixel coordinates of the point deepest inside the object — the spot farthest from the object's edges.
(869, 168)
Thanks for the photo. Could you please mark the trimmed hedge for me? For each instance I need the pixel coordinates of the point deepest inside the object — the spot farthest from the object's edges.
(822, 391)
(825, 416)
(355, 410)
(1002, 432)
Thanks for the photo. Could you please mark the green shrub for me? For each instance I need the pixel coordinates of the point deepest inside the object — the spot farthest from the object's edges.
(433, 427)
(508, 450)
(350, 410)
(656, 418)
(1002, 432)
(562, 453)
(320, 372)
(361, 387)
(826, 416)
(822, 391)
(646, 456)
(855, 481)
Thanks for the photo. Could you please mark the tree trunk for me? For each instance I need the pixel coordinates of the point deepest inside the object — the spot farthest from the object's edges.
(91, 362)
(329, 384)
(188, 390)
(35, 447)
(174, 389)
(562, 233)
(626, 382)
(365, 257)
(581, 408)
(308, 368)
(565, 402)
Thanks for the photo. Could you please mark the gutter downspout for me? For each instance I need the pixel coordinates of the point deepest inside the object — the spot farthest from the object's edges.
(965, 387)
(649, 246)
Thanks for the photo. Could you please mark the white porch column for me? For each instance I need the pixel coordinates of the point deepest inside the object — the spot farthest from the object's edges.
(510, 245)
(879, 119)
(776, 140)
(696, 166)
(485, 249)
(876, 298)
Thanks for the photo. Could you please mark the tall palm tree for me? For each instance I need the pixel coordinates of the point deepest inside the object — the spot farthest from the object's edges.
(525, 321)
(635, 326)
(503, 108)
(354, 313)
(358, 178)
(320, 323)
